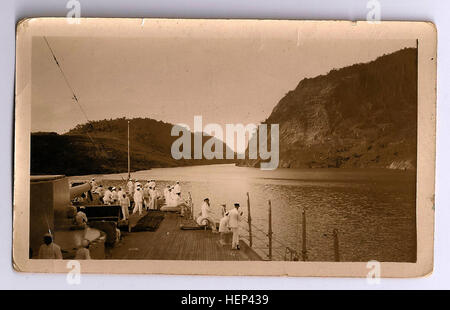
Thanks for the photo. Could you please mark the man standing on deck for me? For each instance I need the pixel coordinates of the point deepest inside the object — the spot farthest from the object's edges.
(153, 198)
(234, 219)
(93, 185)
(223, 224)
(136, 186)
(146, 195)
(130, 186)
(153, 184)
(167, 194)
(115, 196)
(108, 196)
(125, 204)
(101, 192)
(206, 214)
(138, 197)
(177, 188)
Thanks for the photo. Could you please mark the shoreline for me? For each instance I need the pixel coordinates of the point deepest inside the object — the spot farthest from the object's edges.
(281, 176)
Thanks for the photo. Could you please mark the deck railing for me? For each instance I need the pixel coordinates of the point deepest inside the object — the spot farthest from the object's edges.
(272, 243)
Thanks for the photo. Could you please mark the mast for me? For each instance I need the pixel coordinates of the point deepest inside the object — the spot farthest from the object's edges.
(128, 149)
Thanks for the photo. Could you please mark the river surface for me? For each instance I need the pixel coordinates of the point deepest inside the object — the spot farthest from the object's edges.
(373, 210)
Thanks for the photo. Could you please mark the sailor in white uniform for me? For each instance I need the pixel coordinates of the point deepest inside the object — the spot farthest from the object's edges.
(223, 224)
(177, 188)
(167, 193)
(93, 185)
(138, 199)
(152, 184)
(108, 196)
(233, 222)
(124, 204)
(206, 214)
(136, 186)
(115, 195)
(130, 186)
(146, 195)
(153, 198)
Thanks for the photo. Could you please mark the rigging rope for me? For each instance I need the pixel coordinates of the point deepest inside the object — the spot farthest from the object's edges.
(100, 148)
(74, 96)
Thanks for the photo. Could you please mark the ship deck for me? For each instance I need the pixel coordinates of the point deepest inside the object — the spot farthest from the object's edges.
(169, 242)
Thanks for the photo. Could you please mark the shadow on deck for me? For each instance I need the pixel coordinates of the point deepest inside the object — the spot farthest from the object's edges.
(169, 242)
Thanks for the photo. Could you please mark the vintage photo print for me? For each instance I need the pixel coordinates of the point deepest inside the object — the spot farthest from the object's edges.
(225, 147)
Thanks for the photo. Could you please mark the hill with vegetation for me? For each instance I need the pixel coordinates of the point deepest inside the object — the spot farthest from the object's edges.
(101, 147)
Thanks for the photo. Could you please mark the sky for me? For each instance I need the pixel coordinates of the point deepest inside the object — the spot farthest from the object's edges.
(225, 79)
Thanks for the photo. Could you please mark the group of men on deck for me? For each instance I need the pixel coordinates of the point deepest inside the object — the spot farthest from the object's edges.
(145, 197)
(172, 195)
(230, 221)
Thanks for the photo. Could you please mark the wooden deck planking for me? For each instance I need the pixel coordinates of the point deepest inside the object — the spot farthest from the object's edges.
(169, 242)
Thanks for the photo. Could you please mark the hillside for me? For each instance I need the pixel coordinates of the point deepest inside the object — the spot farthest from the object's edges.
(73, 153)
(364, 115)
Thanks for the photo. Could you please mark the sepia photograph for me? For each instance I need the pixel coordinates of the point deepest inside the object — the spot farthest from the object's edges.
(206, 141)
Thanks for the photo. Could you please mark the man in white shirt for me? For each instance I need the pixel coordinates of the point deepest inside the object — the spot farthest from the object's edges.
(136, 186)
(49, 250)
(93, 185)
(152, 184)
(233, 222)
(177, 188)
(206, 214)
(100, 191)
(114, 196)
(124, 204)
(108, 197)
(146, 196)
(130, 186)
(223, 224)
(153, 198)
(167, 194)
(138, 198)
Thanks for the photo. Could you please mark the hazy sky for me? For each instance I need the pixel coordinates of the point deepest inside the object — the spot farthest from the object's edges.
(226, 80)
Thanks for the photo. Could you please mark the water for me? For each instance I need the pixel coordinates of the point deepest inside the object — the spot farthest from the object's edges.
(372, 209)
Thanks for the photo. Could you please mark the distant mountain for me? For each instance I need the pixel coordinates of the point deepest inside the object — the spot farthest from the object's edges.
(74, 153)
(364, 115)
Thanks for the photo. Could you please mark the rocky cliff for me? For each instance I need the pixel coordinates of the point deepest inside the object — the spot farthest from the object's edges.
(364, 115)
